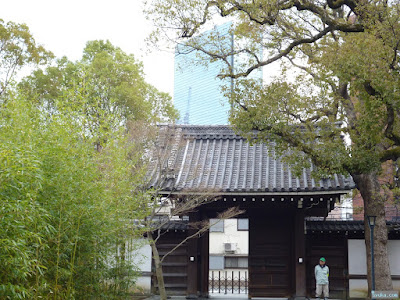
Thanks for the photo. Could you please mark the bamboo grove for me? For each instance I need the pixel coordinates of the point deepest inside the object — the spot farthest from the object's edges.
(72, 139)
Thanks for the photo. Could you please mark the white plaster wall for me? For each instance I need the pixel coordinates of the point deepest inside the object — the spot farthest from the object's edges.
(230, 235)
(343, 210)
(144, 284)
(142, 258)
(359, 287)
(394, 256)
(357, 257)
(358, 266)
(358, 260)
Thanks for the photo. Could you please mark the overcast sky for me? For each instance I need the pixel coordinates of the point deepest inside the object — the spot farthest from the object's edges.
(64, 27)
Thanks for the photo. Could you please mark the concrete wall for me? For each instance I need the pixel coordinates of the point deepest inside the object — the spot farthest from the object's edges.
(358, 288)
(230, 235)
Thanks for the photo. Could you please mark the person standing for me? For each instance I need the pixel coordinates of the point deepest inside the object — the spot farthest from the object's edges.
(322, 279)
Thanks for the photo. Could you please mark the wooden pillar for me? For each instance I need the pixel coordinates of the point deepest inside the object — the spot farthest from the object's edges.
(193, 268)
(204, 264)
(204, 257)
(300, 255)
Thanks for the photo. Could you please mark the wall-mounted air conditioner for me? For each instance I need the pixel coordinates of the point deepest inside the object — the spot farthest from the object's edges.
(230, 247)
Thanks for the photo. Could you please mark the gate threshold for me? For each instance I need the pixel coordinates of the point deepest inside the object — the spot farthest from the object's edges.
(240, 297)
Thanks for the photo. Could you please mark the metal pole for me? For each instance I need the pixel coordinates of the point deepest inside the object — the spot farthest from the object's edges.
(239, 282)
(212, 282)
(232, 282)
(219, 282)
(226, 282)
(245, 282)
(372, 258)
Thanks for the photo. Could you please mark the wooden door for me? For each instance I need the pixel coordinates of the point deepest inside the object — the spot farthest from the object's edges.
(333, 247)
(270, 256)
(175, 264)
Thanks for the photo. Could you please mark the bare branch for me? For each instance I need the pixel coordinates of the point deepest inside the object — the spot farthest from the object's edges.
(283, 53)
(313, 74)
(205, 226)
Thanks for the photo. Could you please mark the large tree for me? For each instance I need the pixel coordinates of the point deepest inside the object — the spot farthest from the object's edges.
(339, 79)
(18, 49)
(108, 84)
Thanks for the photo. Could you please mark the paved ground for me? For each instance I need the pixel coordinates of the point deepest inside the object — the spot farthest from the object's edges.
(226, 297)
(220, 297)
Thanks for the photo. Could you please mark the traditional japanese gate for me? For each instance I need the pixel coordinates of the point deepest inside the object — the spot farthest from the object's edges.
(214, 158)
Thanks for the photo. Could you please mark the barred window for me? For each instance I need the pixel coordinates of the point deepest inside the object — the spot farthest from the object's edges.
(236, 262)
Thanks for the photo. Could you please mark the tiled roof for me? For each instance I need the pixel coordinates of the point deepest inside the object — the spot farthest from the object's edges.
(311, 225)
(215, 158)
(335, 225)
(175, 225)
(332, 226)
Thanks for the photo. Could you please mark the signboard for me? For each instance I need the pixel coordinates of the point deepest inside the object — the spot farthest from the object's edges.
(384, 294)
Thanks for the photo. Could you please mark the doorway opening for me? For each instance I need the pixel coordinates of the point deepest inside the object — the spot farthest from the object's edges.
(229, 257)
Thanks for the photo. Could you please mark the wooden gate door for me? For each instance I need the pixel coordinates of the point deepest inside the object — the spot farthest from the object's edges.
(175, 264)
(270, 256)
(333, 247)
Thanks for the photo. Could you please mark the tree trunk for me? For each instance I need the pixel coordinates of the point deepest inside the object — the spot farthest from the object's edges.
(159, 272)
(374, 205)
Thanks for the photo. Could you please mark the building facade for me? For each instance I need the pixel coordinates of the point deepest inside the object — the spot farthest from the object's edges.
(198, 94)
(229, 261)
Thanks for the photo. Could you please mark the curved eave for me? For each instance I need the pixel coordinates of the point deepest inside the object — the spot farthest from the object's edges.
(257, 193)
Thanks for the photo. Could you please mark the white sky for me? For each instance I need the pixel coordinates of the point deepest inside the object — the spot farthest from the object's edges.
(64, 27)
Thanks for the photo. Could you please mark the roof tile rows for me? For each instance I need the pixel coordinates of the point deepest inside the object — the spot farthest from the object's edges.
(345, 225)
(215, 158)
(311, 225)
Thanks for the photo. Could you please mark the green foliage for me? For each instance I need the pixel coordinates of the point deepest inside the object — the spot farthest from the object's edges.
(17, 49)
(72, 138)
(107, 82)
(66, 208)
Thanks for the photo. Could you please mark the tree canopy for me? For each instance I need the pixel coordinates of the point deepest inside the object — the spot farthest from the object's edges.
(18, 48)
(109, 84)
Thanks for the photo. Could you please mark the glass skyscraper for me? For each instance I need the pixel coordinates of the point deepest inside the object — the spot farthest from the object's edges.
(197, 90)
